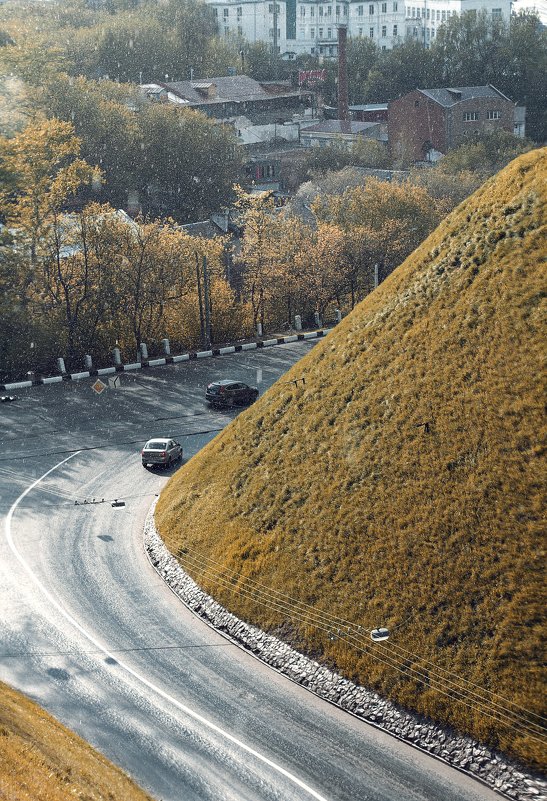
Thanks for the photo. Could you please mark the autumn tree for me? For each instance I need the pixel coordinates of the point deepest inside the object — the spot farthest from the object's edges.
(45, 172)
(258, 250)
(383, 223)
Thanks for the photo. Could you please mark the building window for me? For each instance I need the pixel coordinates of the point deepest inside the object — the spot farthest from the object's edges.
(418, 13)
(302, 33)
(360, 31)
(226, 12)
(320, 33)
(239, 30)
(302, 11)
(395, 6)
(345, 11)
(493, 115)
(432, 33)
(470, 116)
(239, 12)
(394, 30)
(226, 30)
(215, 13)
(360, 11)
(371, 10)
(329, 11)
(329, 33)
(384, 8)
(312, 34)
(443, 16)
(371, 33)
(337, 11)
(384, 30)
(312, 11)
(427, 14)
(496, 13)
(438, 15)
(320, 11)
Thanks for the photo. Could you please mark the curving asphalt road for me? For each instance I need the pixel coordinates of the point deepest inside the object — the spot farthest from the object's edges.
(90, 631)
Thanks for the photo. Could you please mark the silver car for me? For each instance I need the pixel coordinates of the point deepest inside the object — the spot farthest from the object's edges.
(161, 451)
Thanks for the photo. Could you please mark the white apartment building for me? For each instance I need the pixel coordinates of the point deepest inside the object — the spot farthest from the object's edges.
(311, 26)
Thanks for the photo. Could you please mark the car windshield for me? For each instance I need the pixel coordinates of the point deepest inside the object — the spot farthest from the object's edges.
(156, 445)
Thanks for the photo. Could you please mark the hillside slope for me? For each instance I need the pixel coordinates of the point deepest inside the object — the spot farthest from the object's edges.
(400, 483)
(42, 760)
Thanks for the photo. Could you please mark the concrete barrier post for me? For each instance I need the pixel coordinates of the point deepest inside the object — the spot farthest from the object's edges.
(166, 347)
(298, 322)
(317, 319)
(116, 356)
(259, 329)
(61, 365)
(88, 362)
(144, 351)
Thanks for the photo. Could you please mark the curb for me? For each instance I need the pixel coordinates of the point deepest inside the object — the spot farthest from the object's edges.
(185, 357)
(491, 769)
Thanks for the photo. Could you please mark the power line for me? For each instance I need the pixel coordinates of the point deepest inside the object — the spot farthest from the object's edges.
(457, 689)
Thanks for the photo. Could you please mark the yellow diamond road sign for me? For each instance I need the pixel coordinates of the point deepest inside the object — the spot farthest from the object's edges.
(98, 386)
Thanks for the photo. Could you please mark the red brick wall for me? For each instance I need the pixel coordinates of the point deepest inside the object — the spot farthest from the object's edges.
(459, 130)
(412, 120)
(415, 119)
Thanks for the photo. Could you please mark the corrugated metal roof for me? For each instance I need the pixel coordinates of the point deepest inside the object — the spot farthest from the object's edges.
(449, 96)
(339, 126)
(232, 88)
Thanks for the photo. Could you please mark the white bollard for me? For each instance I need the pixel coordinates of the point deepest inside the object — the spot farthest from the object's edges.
(116, 356)
(338, 315)
(259, 329)
(88, 362)
(144, 351)
(61, 365)
(298, 322)
(166, 347)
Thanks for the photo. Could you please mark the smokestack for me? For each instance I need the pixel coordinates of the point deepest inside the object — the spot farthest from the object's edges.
(343, 109)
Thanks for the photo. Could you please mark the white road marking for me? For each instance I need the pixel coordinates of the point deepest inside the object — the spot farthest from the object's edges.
(190, 712)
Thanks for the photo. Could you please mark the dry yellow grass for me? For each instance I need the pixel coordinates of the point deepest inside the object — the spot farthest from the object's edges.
(41, 760)
(337, 494)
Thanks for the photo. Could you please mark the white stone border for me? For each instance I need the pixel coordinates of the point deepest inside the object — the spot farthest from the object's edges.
(121, 368)
(463, 753)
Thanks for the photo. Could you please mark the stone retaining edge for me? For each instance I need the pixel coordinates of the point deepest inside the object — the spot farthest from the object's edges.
(466, 755)
(120, 368)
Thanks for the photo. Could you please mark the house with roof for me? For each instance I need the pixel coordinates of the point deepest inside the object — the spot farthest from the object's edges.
(232, 96)
(428, 120)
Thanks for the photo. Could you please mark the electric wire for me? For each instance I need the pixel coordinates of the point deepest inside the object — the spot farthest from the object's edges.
(327, 622)
(339, 622)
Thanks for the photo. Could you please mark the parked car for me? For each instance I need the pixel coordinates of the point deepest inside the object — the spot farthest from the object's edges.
(161, 451)
(230, 393)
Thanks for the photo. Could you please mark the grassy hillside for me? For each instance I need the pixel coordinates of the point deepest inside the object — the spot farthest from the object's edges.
(401, 484)
(40, 760)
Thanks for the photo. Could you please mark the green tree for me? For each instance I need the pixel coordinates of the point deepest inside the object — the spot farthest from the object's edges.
(188, 164)
(399, 71)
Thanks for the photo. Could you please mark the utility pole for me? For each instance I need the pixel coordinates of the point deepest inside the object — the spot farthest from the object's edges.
(207, 303)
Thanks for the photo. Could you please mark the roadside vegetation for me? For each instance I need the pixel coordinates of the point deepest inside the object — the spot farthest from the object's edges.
(394, 478)
(41, 760)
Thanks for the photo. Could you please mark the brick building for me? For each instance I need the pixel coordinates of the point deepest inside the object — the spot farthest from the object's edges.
(427, 120)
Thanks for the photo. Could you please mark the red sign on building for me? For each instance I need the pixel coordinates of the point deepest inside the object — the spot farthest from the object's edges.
(311, 77)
